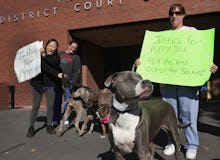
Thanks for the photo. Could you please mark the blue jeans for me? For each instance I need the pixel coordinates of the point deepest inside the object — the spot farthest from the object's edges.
(67, 94)
(185, 102)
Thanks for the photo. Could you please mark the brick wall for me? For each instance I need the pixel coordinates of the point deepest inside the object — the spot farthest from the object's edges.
(15, 35)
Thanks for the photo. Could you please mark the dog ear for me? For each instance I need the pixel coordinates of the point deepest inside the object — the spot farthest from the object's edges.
(110, 80)
(86, 96)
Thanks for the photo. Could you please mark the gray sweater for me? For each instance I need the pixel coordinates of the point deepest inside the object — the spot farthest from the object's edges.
(71, 65)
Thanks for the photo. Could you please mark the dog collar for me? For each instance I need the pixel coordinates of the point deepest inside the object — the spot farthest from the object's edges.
(105, 120)
(80, 98)
(134, 110)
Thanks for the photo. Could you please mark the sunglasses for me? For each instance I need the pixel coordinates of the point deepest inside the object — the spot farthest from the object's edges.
(177, 13)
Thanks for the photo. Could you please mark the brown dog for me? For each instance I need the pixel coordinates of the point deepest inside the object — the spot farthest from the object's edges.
(103, 112)
(100, 110)
(82, 98)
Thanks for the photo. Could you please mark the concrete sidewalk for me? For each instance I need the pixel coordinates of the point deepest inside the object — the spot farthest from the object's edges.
(14, 145)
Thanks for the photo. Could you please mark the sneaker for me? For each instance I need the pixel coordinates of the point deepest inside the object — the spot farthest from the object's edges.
(169, 150)
(66, 123)
(55, 124)
(30, 132)
(191, 154)
(51, 130)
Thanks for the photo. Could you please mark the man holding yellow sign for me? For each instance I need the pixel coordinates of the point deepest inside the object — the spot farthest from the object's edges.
(174, 59)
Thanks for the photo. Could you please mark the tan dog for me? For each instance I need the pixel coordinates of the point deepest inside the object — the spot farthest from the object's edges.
(81, 99)
(100, 111)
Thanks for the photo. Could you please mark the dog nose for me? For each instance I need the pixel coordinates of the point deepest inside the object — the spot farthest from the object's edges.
(145, 82)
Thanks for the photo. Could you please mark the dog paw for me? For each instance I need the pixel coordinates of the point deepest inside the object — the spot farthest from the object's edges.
(60, 133)
(80, 133)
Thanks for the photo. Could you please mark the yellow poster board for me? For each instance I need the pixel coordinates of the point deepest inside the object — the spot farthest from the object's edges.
(180, 57)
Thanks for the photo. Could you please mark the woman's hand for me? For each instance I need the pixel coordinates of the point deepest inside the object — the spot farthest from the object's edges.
(214, 68)
(42, 51)
(62, 75)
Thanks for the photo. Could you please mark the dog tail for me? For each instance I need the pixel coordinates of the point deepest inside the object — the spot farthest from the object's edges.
(182, 126)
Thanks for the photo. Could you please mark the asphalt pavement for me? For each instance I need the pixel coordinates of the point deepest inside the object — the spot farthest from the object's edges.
(14, 145)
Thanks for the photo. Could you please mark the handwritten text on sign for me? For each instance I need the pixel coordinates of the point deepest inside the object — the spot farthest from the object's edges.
(27, 63)
(181, 57)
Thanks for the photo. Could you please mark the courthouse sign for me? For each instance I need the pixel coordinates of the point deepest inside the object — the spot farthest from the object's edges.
(46, 12)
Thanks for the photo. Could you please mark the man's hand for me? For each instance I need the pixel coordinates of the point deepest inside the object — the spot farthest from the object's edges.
(214, 68)
(137, 62)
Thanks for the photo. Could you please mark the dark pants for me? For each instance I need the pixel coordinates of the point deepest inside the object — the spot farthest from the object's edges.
(37, 96)
(57, 116)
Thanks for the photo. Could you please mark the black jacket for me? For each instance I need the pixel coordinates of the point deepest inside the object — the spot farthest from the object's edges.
(50, 67)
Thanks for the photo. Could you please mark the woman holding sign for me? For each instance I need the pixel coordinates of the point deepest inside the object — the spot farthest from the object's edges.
(46, 82)
(183, 99)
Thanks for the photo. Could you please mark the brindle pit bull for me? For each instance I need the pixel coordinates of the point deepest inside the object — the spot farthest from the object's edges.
(136, 121)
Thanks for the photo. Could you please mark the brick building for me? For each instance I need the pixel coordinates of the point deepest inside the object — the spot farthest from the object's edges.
(110, 33)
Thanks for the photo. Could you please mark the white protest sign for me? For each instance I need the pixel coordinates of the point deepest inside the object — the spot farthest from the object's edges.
(27, 63)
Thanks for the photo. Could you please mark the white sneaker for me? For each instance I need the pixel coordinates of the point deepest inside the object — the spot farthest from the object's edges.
(66, 123)
(191, 154)
(54, 123)
(169, 150)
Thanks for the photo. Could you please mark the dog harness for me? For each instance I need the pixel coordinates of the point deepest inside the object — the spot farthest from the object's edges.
(105, 120)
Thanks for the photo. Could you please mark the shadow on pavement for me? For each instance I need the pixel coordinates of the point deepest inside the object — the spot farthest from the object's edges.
(209, 118)
(206, 128)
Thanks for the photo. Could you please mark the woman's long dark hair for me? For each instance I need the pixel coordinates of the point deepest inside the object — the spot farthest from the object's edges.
(52, 40)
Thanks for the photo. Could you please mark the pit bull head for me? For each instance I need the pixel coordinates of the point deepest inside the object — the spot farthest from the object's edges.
(127, 85)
